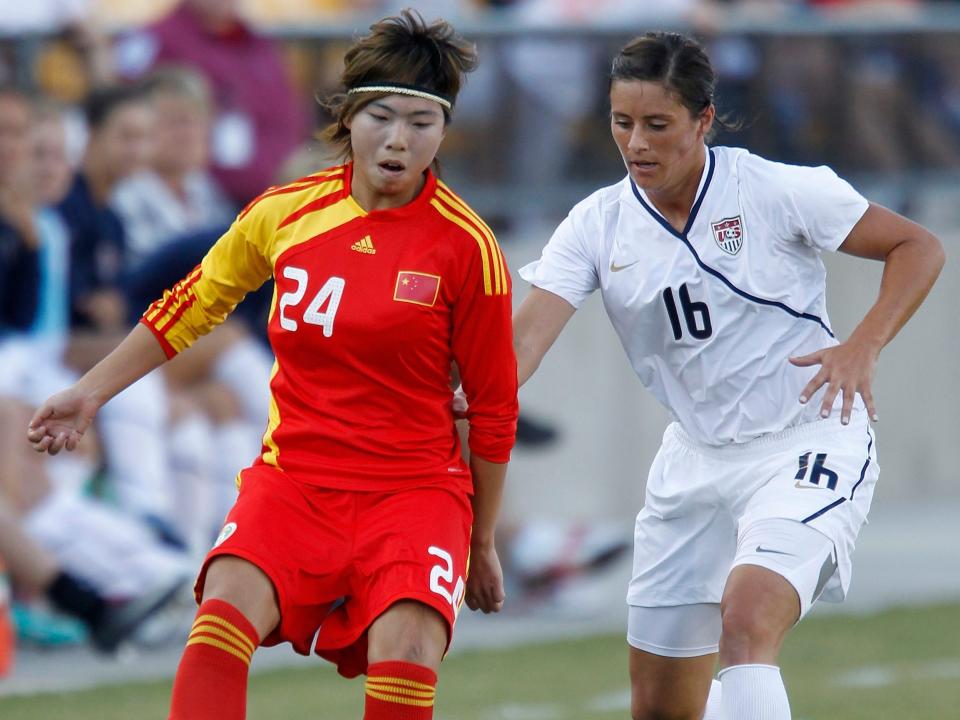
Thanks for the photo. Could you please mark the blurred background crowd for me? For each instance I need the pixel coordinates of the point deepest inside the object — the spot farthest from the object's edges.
(131, 134)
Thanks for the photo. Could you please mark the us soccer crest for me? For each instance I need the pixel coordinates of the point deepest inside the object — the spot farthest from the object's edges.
(729, 234)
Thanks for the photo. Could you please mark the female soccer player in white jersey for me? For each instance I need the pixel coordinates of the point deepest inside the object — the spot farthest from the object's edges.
(708, 260)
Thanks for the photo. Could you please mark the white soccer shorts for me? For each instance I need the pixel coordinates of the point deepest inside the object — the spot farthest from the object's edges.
(701, 501)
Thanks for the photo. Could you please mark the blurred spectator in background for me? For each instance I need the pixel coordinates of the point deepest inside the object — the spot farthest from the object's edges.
(877, 114)
(52, 176)
(259, 120)
(80, 553)
(58, 44)
(19, 281)
(120, 123)
(172, 212)
(35, 574)
(175, 194)
(43, 502)
(19, 270)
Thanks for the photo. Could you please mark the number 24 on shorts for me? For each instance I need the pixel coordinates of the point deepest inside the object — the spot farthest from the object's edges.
(452, 593)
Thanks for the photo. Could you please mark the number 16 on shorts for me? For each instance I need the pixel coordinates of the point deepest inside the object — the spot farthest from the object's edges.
(818, 476)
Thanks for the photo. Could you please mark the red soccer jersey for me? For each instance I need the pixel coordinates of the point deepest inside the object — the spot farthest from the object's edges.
(370, 310)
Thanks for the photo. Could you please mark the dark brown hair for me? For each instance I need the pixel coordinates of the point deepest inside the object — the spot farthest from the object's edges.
(676, 61)
(102, 102)
(401, 49)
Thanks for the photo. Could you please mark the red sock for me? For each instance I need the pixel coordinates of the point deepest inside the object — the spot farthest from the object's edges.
(211, 681)
(399, 691)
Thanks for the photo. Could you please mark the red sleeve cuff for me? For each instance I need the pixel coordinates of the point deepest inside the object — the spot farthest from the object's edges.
(492, 457)
(167, 347)
(491, 447)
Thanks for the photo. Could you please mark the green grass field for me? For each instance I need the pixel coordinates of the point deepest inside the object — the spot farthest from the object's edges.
(902, 664)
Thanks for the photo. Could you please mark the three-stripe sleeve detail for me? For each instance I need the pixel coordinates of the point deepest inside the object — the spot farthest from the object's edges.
(164, 313)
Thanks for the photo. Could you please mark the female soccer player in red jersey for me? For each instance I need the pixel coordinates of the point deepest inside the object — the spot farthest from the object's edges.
(359, 516)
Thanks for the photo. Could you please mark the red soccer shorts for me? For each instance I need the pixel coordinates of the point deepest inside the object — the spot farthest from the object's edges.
(338, 559)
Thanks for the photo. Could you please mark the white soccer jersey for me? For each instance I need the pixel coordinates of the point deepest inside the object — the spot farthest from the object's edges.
(709, 316)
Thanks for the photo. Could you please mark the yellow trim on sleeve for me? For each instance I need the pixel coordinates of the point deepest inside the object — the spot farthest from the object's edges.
(499, 264)
(476, 236)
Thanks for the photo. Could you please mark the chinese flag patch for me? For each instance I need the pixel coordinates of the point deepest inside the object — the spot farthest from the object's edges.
(417, 287)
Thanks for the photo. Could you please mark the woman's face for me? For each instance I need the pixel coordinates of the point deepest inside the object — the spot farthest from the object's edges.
(52, 171)
(394, 139)
(180, 134)
(661, 143)
(123, 144)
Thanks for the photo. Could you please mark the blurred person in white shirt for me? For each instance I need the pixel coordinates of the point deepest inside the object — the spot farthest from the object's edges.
(176, 195)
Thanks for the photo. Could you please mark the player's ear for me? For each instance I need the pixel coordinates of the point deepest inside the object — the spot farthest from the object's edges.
(706, 119)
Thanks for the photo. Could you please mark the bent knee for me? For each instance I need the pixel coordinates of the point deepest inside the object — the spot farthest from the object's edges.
(748, 637)
(410, 632)
(246, 587)
(411, 649)
(667, 700)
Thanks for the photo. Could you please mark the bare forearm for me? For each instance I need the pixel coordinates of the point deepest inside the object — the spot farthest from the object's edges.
(528, 360)
(134, 357)
(536, 326)
(910, 269)
(488, 481)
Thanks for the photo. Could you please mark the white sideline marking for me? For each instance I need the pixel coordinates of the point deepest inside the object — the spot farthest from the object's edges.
(529, 711)
(873, 676)
(610, 702)
(616, 701)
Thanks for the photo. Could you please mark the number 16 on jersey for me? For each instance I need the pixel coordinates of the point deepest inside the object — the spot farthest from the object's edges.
(696, 315)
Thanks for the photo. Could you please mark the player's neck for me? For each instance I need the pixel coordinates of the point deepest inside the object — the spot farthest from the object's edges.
(370, 197)
(675, 200)
(674, 205)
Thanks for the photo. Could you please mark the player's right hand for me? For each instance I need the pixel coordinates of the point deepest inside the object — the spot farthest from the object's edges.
(61, 421)
(460, 404)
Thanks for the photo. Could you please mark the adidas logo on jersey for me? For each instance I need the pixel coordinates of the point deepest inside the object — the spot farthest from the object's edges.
(364, 245)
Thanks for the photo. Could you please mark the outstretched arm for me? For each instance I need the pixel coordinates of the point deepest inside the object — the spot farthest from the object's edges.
(912, 258)
(536, 325)
(62, 420)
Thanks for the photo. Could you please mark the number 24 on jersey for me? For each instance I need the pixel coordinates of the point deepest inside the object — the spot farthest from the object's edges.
(330, 295)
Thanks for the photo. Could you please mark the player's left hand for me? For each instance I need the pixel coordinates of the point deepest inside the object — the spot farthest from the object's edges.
(848, 368)
(485, 582)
